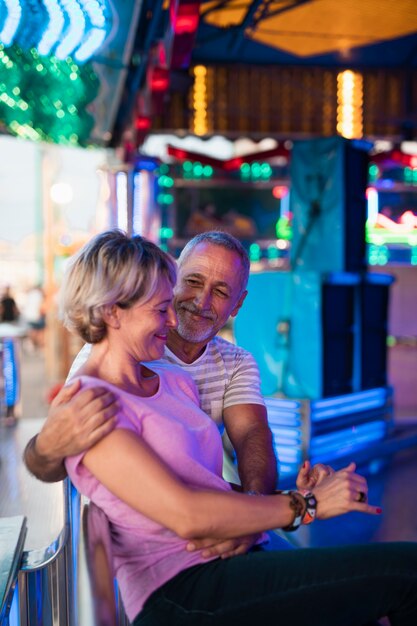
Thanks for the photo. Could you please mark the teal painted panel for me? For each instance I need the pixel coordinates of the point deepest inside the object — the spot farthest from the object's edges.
(317, 202)
(266, 312)
(303, 373)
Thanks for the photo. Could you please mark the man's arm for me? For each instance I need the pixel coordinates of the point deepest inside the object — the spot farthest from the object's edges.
(250, 435)
(75, 422)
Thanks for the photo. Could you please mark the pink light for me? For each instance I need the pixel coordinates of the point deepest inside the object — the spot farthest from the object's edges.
(185, 20)
(233, 164)
(143, 122)
(279, 191)
(158, 79)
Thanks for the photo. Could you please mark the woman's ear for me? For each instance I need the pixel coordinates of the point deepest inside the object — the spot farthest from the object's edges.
(111, 315)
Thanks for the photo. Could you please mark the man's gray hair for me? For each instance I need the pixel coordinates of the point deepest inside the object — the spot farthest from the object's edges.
(223, 240)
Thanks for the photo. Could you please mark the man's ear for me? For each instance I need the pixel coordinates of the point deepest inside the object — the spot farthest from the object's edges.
(239, 304)
(111, 315)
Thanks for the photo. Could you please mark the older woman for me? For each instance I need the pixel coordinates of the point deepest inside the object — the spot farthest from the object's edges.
(158, 478)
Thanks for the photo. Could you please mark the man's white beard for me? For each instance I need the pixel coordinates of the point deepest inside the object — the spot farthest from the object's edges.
(194, 335)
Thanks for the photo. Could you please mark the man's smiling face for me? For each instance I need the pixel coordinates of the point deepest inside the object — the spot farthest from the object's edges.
(208, 291)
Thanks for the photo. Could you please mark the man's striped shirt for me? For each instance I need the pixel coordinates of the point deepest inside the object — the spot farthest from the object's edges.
(225, 375)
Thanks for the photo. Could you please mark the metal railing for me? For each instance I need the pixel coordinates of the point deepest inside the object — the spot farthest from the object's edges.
(46, 580)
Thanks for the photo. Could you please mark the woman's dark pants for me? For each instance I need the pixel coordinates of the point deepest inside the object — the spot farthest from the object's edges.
(346, 586)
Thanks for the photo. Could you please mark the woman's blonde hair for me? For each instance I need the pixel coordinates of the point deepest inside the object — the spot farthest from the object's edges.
(112, 268)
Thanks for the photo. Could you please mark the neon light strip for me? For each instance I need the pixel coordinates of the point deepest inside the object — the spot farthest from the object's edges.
(291, 419)
(379, 394)
(121, 195)
(75, 31)
(287, 437)
(345, 410)
(287, 470)
(12, 21)
(138, 203)
(97, 34)
(91, 44)
(10, 373)
(53, 32)
(95, 12)
(380, 237)
(372, 201)
(280, 403)
(285, 205)
(274, 413)
(287, 457)
(348, 437)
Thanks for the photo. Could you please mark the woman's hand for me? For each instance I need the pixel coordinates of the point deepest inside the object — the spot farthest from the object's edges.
(342, 492)
(310, 477)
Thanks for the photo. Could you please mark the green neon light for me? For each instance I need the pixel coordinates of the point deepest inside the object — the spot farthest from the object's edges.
(166, 233)
(382, 236)
(44, 99)
(283, 229)
(254, 252)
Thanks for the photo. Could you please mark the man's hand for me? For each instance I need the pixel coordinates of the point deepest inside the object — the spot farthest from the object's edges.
(77, 420)
(222, 548)
(310, 477)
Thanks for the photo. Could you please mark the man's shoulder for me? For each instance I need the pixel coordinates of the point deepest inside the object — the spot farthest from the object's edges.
(166, 367)
(227, 348)
(169, 369)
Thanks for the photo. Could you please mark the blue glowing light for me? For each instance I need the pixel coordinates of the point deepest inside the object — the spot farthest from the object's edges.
(293, 425)
(138, 203)
(67, 27)
(12, 21)
(90, 45)
(146, 164)
(286, 455)
(283, 403)
(10, 373)
(287, 436)
(95, 37)
(94, 11)
(347, 441)
(351, 403)
(53, 31)
(74, 33)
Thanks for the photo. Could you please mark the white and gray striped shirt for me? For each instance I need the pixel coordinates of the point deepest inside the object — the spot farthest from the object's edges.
(225, 375)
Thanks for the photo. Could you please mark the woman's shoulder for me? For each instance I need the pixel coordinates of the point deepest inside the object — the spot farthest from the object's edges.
(87, 380)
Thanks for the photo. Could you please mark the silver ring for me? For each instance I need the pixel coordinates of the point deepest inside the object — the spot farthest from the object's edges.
(362, 496)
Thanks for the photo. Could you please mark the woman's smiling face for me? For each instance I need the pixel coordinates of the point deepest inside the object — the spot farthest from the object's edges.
(144, 327)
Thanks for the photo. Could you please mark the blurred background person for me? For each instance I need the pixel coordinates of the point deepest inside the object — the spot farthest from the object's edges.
(9, 311)
(33, 313)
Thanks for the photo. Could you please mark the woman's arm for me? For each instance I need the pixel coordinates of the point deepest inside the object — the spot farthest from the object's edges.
(126, 465)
